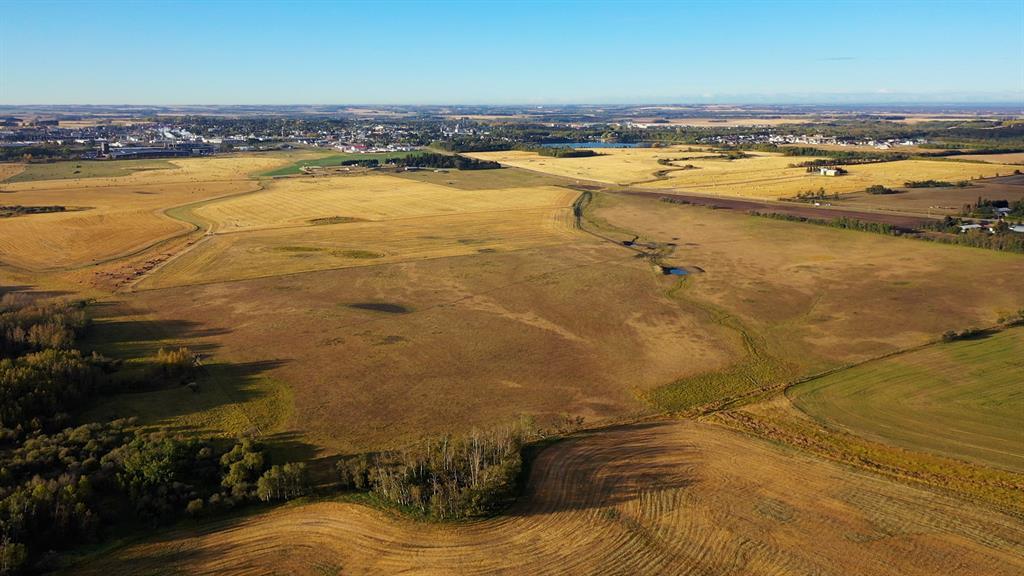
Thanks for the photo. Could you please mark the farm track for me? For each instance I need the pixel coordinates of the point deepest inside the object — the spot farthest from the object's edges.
(659, 498)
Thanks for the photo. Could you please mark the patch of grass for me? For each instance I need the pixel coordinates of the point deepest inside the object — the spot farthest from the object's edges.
(357, 254)
(333, 220)
(911, 400)
(87, 169)
(331, 160)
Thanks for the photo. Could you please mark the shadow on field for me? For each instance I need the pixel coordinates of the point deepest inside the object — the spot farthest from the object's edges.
(137, 338)
(606, 468)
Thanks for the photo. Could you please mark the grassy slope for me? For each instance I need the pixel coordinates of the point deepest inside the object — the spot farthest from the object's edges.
(962, 399)
(86, 169)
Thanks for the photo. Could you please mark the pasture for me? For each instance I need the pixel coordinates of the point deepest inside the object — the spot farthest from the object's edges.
(804, 297)
(669, 498)
(961, 399)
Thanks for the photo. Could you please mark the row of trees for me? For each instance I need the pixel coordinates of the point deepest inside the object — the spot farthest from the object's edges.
(435, 160)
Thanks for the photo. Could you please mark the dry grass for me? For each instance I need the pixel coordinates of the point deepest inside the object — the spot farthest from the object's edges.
(9, 170)
(673, 498)
(576, 328)
(226, 257)
(296, 201)
(808, 297)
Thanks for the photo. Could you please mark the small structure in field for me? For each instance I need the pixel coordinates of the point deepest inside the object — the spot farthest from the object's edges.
(829, 171)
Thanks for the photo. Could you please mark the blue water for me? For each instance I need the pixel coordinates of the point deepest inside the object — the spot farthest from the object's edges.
(676, 271)
(594, 145)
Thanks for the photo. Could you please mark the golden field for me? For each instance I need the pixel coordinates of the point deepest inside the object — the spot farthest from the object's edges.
(238, 256)
(1008, 158)
(350, 314)
(762, 175)
(298, 201)
(114, 216)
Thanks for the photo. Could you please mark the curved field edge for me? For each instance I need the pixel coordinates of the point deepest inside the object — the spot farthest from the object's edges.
(659, 498)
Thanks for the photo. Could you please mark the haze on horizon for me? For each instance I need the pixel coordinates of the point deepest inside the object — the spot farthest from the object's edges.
(511, 52)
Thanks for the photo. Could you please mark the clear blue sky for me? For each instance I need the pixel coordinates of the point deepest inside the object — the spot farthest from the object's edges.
(508, 52)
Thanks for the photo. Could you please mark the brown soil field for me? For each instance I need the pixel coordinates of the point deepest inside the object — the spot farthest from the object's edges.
(667, 498)
(792, 208)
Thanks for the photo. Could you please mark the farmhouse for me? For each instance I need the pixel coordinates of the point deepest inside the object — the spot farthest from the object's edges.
(824, 171)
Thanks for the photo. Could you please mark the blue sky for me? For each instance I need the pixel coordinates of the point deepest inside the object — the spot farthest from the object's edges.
(509, 52)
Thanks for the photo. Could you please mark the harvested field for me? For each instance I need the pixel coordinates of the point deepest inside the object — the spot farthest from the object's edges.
(226, 257)
(761, 175)
(961, 399)
(769, 176)
(936, 201)
(296, 201)
(669, 498)
(125, 213)
(612, 166)
(1008, 158)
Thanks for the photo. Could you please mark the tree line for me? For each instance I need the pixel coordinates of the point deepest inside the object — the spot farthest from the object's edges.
(435, 160)
(63, 484)
(445, 478)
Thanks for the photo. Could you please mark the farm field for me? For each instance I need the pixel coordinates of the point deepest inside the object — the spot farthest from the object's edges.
(1008, 158)
(300, 201)
(86, 169)
(762, 175)
(118, 215)
(669, 498)
(961, 399)
(936, 201)
(238, 256)
(613, 166)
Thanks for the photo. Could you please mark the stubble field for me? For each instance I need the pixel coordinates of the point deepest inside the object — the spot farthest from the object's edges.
(761, 175)
(670, 498)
